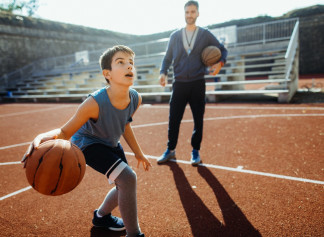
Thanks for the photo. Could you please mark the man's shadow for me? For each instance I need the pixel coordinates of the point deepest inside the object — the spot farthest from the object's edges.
(202, 220)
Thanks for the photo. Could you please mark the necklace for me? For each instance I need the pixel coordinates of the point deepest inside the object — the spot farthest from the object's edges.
(189, 42)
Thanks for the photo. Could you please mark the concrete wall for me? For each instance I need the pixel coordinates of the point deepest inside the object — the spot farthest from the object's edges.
(24, 40)
(311, 39)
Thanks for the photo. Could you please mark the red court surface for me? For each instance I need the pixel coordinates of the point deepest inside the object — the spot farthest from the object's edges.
(262, 174)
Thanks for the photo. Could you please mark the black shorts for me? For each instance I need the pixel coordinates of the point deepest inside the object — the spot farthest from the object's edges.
(106, 160)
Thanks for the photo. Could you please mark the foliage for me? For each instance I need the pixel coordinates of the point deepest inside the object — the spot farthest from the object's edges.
(28, 7)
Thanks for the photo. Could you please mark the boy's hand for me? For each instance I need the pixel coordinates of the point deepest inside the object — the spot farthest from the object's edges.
(214, 70)
(146, 163)
(34, 145)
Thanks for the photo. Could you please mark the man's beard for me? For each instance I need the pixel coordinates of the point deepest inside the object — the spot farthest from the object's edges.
(191, 21)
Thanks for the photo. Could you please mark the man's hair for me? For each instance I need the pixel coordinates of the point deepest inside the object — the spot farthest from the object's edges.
(106, 57)
(189, 3)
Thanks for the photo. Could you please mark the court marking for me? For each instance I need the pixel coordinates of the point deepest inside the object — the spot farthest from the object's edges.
(205, 119)
(10, 163)
(238, 169)
(233, 117)
(150, 106)
(15, 193)
(15, 145)
(35, 111)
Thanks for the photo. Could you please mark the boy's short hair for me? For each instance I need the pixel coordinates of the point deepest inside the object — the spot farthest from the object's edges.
(106, 57)
(189, 3)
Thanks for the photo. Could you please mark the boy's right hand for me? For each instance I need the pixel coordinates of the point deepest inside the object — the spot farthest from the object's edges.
(35, 144)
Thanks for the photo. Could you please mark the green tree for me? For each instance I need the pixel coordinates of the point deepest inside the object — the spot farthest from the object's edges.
(28, 7)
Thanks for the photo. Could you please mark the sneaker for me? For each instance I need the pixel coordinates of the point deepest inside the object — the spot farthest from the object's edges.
(195, 157)
(167, 155)
(109, 221)
(139, 235)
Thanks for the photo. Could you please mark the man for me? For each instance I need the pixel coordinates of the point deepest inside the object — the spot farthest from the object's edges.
(184, 50)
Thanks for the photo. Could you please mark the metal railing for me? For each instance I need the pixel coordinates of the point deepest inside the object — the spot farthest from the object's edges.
(265, 32)
(291, 50)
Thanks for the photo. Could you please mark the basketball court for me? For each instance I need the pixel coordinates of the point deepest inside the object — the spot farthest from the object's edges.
(262, 174)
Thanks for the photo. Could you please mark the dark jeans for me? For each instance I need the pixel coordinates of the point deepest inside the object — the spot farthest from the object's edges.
(184, 93)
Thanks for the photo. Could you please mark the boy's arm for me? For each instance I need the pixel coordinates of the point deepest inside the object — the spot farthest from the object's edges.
(88, 109)
(130, 138)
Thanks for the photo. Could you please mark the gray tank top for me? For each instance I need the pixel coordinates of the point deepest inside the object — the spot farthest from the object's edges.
(111, 122)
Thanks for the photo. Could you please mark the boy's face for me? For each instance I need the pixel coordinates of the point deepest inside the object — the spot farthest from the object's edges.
(191, 14)
(122, 69)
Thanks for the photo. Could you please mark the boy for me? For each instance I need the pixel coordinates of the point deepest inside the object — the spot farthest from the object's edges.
(96, 128)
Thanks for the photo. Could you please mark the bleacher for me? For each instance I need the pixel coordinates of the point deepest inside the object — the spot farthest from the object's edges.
(267, 66)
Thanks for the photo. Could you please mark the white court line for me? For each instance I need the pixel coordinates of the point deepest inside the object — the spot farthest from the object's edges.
(238, 107)
(264, 108)
(34, 111)
(15, 193)
(241, 170)
(238, 169)
(205, 119)
(15, 145)
(233, 117)
(10, 163)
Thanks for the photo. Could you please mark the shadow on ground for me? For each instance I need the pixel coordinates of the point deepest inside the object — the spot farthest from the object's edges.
(202, 220)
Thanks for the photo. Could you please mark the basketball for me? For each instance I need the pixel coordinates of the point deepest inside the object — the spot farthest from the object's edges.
(56, 167)
(211, 55)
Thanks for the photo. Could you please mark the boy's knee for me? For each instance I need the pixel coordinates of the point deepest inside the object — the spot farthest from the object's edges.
(127, 178)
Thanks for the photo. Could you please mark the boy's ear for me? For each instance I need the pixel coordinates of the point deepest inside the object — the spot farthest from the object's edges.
(106, 73)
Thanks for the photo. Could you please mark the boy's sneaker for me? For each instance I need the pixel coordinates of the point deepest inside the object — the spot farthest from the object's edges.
(167, 155)
(109, 221)
(195, 157)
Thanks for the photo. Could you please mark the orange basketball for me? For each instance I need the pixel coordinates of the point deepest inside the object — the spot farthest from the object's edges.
(211, 55)
(56, 167)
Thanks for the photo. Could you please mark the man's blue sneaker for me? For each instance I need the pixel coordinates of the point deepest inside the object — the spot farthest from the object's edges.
(195, 157)
(109, 221)
(167, 155)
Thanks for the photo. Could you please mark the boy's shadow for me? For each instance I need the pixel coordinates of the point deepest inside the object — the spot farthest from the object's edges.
(202, 220)
(104, 232)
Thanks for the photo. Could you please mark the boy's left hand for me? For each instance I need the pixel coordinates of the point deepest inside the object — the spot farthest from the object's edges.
(146, 163)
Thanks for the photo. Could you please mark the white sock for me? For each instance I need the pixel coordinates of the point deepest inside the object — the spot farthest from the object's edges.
(98, 215)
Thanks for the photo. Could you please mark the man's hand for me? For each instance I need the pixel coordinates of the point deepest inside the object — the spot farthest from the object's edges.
(214, 70)
(162, 80)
